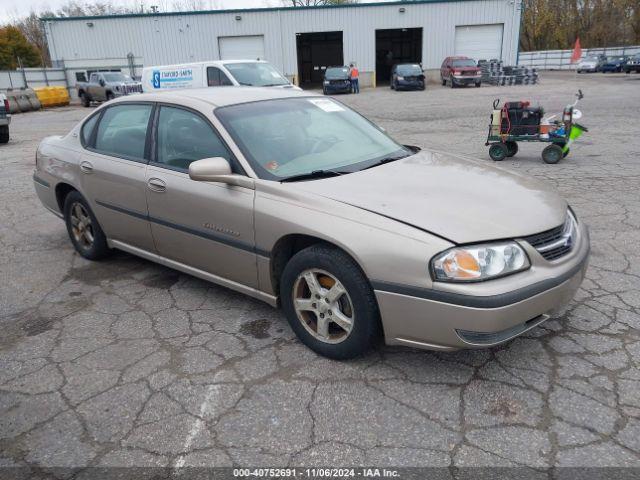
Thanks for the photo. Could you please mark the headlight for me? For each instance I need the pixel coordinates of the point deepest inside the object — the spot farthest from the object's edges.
(400, 78)
(479, 262)
(326, 82)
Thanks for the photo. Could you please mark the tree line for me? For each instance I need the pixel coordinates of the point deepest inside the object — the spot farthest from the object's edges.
(546, 24)
(555, 24)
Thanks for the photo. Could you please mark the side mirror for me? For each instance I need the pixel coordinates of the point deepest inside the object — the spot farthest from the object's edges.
(217, 169)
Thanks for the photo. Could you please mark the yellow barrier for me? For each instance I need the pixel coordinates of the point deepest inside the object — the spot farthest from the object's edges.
(52, 96)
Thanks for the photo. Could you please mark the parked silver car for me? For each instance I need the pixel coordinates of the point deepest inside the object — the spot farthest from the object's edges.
(301, 202)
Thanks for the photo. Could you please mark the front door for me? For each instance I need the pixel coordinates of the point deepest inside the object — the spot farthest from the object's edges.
(206, 225)
(113, 168)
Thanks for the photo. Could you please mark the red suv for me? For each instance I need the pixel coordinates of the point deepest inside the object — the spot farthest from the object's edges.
(460, 71)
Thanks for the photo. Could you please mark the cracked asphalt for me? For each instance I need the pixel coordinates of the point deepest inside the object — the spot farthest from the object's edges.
(127, 363)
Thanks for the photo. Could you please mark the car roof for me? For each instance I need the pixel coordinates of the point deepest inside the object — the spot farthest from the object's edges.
(217, 96)
(209, 62)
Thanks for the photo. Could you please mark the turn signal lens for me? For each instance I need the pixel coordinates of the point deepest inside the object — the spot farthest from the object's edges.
(479, 262)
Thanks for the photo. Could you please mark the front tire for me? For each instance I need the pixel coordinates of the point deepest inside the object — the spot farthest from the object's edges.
(498, 152)
(84, 230)
(453, 85)
(552, 154)
(329, 303)
(4, 134)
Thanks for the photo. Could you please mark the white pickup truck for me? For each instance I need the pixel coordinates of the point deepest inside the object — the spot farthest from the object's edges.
(5, 118)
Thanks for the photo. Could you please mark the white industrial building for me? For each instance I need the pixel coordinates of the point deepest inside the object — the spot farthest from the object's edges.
(299, 41)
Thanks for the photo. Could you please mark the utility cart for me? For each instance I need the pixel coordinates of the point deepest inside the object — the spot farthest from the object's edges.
(520, 122)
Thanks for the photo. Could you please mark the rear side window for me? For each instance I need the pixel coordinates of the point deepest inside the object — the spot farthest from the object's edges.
(122, 131)
(217, 78)
(184, 137)
(87, 130)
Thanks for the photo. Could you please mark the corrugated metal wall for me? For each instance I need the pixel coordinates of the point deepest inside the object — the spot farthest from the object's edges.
(180, 38)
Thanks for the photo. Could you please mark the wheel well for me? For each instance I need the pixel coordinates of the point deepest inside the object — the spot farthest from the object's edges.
(287, 247)
(62, 190)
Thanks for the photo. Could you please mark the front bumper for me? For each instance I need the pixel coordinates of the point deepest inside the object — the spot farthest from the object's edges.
(409, 84)
(466, 80)
(446, 320)
(338, 88)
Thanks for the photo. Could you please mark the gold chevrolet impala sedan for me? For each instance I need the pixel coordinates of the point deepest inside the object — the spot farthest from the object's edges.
(299, 201)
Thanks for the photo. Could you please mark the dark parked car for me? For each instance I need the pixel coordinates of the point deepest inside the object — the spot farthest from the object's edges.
(336, 80)
(460, 71)
(407, 76)
(633, 64)
(614, 64)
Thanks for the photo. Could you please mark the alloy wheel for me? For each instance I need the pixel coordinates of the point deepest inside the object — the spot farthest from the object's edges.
(81, 226)
(323, 306)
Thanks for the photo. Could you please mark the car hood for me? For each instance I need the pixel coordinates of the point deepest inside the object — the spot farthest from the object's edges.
(461, 200)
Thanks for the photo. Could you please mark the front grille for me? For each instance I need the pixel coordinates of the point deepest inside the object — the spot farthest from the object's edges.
(555, 243)
(339, 82)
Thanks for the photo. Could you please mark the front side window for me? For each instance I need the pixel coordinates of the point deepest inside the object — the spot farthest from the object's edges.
(184, 137)
(256, 74)
(293, 136)
(122, 131)
(217, 78)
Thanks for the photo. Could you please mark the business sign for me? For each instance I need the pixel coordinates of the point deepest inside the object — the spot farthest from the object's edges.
(172, 78)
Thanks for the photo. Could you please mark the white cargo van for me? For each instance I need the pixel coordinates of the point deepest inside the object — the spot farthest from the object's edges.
(217, 73)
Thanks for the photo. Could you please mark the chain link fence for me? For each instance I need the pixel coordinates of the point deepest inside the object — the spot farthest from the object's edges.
(561, 59)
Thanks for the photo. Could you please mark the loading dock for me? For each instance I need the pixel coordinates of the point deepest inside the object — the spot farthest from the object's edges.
(396, 45)
(317, 51)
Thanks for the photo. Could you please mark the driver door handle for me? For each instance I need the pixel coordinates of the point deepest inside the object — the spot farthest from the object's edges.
(156, 185)
(86, 167)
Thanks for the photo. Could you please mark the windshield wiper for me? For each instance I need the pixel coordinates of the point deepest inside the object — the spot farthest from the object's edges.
(390, 158)
(314, 174)
(274, 84)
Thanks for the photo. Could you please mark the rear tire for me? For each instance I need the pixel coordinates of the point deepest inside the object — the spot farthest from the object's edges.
(330, 268)
(85, 100)
(552, 154)
(110, 96)
(444, 82)
(512, 148)
(4, 134)
(83, 228)
(498, 152)
(478, 84)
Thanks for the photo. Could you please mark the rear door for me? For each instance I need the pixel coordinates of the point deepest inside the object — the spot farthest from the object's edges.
(113, 169)
(205, 225)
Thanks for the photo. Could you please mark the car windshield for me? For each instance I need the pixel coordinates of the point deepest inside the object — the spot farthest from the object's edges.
(116, 77)
(591, 59)
(463, 62)
(256, 74)
(337, 73)
(293, 136)
(413, 69)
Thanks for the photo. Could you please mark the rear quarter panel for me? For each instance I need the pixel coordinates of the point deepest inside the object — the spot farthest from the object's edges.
(57, 162)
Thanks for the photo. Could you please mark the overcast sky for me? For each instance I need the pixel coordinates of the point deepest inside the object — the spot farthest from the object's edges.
(11, 9)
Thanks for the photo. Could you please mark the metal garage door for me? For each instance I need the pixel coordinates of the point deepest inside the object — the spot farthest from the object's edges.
(479, 41)
(241, 48)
